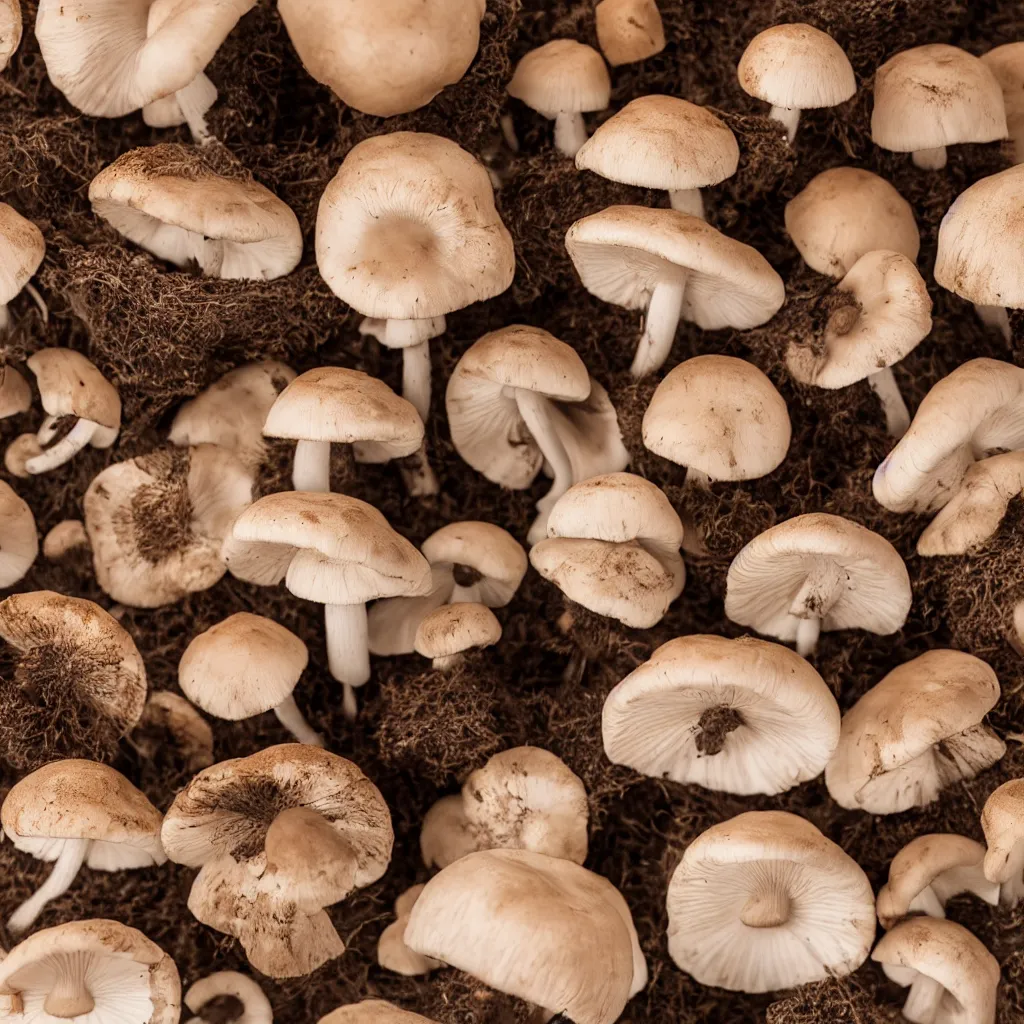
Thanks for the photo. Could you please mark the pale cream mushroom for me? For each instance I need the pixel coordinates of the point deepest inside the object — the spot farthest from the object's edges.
(817, 572)
(520, 400)
(739, 716)
(77, 812)
(931, 97)
(448, 633)
(19, 541)
(22, 249)
(10, 30)
(168, 715)
(392, 952)
(243, 666)
(100, 972)
(674, 267)
(764, 901)
(629, 30)
(18, 452)
(665, 143)
(919, 730)
(613, 546)
(15, 393)
(169, 201)
(952, 977)
(373, 1011)
(539, 928)
(1002, 821)
(930, 870)
(1007, 64)
(230, 985)
(880, 311)
(64, 539)
(795, 67)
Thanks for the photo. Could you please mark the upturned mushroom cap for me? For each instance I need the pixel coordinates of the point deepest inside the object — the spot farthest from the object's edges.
(256, 1008)
(407, 229)
(976, 409)
(935, 95)
(372, 1011)
(168, 200)
(822, 565)
(951, 957)
(563, 76)
(70, 385)
(21, 251)
(764, 901)
(917, 731)
(1007, 64)
(796, 66)
(845, 212)
(340, 46)
(661, 142)
(19, 541)
(629, 30)
(15, 394)
(456, 628)
(623, 252)
(1002, 821)
(539, 928)
(740, 716)
(10, 30)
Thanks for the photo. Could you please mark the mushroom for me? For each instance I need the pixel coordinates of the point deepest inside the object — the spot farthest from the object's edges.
(64, 540)
(795, 67)
(931, 97)
(846, 212)
(447, 633)
(78, 680)
(19, 542)
(168, 715)
(673, 266)
(15, 393)
(341, 46)
(520, 400)
(930, 870)
(880, 311)
(22, 249)
(332, 404)
(392, 952)
(244, 666)
(738, 716)
(1007, 65)
(952, 977)
(919, 730)
(629, 30)
(111, 59)
(1002, 821)
(76, 812)
(72, 389)
(169, 201)
(764, 901)
(341, 553)
(535, 927)
(157, 523)
(18, 452)
(975, 410)
(90, 971)
(815, 572)
(613, 547)
(664, 143)
(10, 30)
(563, 80)
(372, 1011)
(229, 986)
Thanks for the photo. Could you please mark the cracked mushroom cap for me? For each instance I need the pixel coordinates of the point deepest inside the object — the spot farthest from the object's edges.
(169, 201)
(562, 77)
(22, 249)
(456, 628)
(407, 229)
(623, 252)
(977, 409)
(629, 30)
(721, 416)
(822, 565)
(19, 541)
(919, 730)
(613, 546)
(739, 716)
(256, 1008)
(15, 394)
(764, 901)
(845, 212)
(70, 385)
(1002, 821)
(372, 1011)
(10, 30)
(535, 927)
(130, 977)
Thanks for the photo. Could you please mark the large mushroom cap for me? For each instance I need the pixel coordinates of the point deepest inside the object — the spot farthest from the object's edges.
(19, 540)
(563, 76)
(21, 251)
(10, 30)
(70, 385)
(764, 901)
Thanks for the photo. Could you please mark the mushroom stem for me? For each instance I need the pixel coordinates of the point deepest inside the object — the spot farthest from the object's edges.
(660, 323)
(348, 649)
(64, 450)
(417, 474)
(789, 117)
(311, 469)
(807, 632)
(927, 902)
(47, 430)
(922, 1005)
(508, 132)
(195, 100)
(65, 868)
(930, 159)
(44, 309)
(696, 480)
(534, 410)
(69, 997)
(5, 317)
(996, 318)
(766, 909)
(416, 377)
(897, 415)
(446, 662)
(289, 715)
(1012, 890)
(570, 132)
(687, 200)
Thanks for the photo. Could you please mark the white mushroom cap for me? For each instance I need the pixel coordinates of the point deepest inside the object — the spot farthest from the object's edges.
(539, 928)
(562, 77)
(740, 716)
(19, 541)
(930, 870)
(392, 952)
(845, 212)
(920, 729)
(372, 1011)
(10, 30)
(1002, 821)
(256, 1008)
(446, 834)
(454, 629)
(629, 30)
(976, 409)
(1007, 64)
(166, 199)
(67, 536)
(764, 901)
(952, 977)
(21, 251)
(15, 393)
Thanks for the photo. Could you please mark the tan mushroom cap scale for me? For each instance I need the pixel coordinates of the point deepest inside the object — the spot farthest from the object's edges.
(19, 540)
(629, 30)
(373, 1011)
(1002, 821)
(21, 251)
(453, 629)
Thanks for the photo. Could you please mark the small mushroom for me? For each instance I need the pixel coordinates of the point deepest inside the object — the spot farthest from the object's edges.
(15, 393)
(1002, 821)
(224, 986)
(629, 30)
(19, 541)
(10, 30)
(167, 715)
(447, 633)
(764, 901)
(1007, 65)
(17, 454)
(919, 730)
(73, 813)
(22, 249)
(373, 1011)
(392, 952)
(65, 539)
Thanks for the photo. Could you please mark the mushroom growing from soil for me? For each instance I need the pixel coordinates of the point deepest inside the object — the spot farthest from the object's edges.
(392, 952)
(1007, 65)
(19, 541)
(764, 901)
(169, 721)
(674, 267)
(629, 30)
(65, 540)
(738, 716)
(520, 400)
(1002, 821)
(539, 928)
(224, 988)
(278, 836)
(73, 813)
(22, 249)
(10, 30)
(919, 730)
(817, 572)
(373, 1011)
(448, 633)
(795, 67)
(15, 393)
